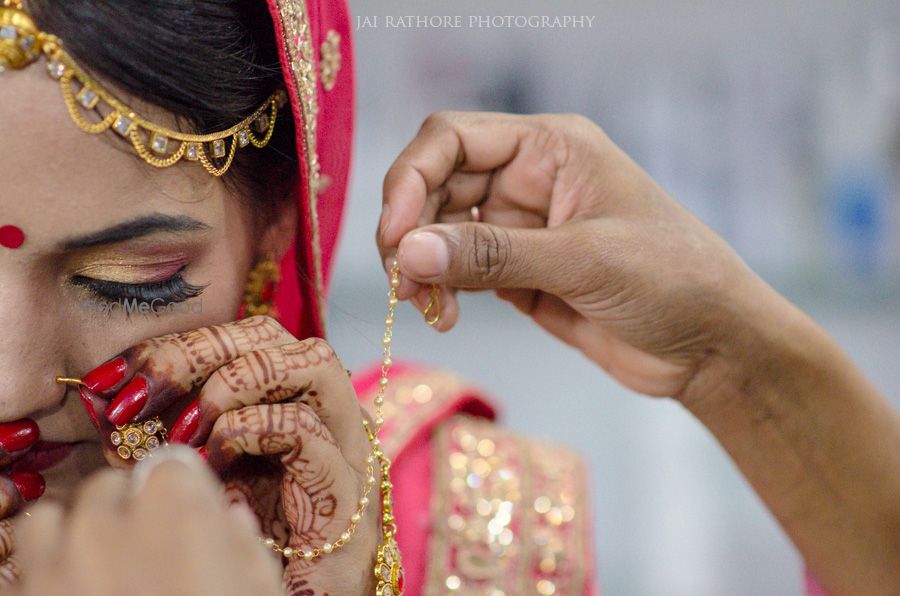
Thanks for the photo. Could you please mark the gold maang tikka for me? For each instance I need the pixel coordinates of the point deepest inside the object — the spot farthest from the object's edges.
(95, 110)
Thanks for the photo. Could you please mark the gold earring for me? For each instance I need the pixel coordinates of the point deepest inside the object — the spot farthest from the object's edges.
(260, 288)
(136, 440)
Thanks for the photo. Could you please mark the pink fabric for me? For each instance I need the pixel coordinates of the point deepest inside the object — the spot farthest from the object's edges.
(296, 296)
(412, 496)
(592, 579)
(412, 475)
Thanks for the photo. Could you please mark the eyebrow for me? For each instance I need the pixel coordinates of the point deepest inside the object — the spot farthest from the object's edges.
(136, 228)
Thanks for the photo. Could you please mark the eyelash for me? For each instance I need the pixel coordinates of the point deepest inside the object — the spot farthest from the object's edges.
(174, 289)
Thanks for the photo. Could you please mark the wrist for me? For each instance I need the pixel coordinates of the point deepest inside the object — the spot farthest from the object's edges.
(770, 348)
(812, 436)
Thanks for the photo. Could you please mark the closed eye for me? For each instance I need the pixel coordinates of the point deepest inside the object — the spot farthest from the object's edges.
(175, 289)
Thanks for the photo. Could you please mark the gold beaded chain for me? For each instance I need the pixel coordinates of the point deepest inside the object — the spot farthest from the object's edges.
(388, 569)
(329, 547)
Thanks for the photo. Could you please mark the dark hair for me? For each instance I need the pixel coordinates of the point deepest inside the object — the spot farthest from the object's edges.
(211, 63)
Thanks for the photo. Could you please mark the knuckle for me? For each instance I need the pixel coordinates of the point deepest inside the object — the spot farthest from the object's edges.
(555, 135)
(168, 367)
(489, 251)
(321, 350)
(224, 387)
(164, 359)
(225, 430)
(319, 344)
(566, 121)
(301, 413)
(139, 352)
(267, 322)
(575, 119)
(394, 176)
(437, 120)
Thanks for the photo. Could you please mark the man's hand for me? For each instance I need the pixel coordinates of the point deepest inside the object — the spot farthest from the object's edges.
(577, 236)
(574, 234)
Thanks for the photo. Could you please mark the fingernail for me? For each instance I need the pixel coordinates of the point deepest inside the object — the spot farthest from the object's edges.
(18, 435)
(389, 263)
(30, 485)
(203, 453)
(385, 223)
(164, 456)
(186, 424)
(424, 254)
(128, 403)
(106, 375)
(89, 406)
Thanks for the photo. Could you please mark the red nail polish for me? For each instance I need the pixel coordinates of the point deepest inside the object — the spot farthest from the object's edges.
(106, 375)
(30, 485)
(128, 403)
(18, 435)
(89, 406)
(186, 424)
(202, 452)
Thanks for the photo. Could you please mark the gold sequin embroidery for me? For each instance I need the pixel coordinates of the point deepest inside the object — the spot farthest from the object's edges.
(297, 38)
(411, 400)
(330, 59)
(509, 514)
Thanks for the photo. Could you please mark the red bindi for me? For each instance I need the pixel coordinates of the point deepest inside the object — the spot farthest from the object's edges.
(11, 237)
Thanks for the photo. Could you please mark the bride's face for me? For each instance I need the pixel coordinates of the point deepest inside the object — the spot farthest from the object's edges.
(102, 230)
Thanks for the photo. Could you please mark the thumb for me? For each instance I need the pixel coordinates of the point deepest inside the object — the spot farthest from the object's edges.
(479, 255)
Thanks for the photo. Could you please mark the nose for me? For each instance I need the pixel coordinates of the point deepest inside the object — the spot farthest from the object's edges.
(31, 349)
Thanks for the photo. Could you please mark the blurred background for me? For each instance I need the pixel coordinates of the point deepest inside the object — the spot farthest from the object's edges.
(778, 123)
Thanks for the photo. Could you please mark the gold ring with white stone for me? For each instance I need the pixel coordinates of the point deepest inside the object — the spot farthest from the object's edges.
(137, 439)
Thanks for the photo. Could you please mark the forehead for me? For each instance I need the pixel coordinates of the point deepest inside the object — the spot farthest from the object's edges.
(51, 168)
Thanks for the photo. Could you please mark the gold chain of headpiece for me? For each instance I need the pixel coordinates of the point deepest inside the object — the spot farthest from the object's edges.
(22, 43)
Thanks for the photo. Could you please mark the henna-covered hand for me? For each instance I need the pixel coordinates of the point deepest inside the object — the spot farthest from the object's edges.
(9, 565)
(319, 492)
(278, 419)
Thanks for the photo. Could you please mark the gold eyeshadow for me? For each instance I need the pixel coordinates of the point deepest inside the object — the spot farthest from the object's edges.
(129, 272)
(133, 266)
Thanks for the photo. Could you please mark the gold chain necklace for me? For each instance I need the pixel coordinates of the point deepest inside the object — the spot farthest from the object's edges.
(388, 567)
